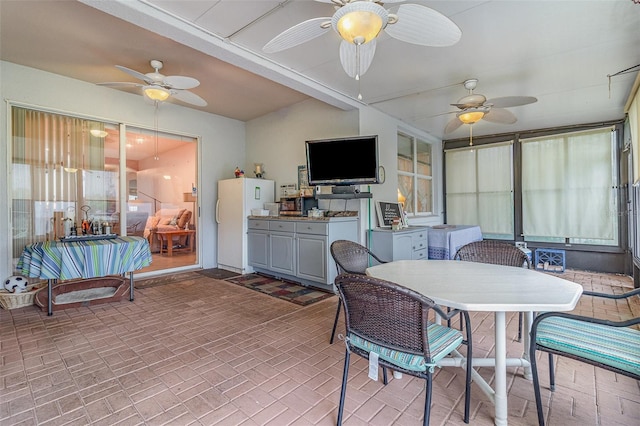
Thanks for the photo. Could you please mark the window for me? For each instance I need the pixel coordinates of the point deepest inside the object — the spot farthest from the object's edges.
(479, 189)
(569, 188)
(415, 189)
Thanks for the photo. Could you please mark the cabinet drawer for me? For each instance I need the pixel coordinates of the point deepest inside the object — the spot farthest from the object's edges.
(419, 240)
(419, 254)
(258, 224)
(282, 226)
(312, 228)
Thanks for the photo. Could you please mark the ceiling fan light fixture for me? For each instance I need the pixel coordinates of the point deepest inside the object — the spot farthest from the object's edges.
(471, 115)
(360, 22)
(156, 93)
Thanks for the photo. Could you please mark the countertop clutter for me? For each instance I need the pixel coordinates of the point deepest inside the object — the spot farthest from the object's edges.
(328, 215)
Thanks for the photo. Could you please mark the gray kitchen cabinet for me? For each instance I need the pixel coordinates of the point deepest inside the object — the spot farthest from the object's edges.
(298, 248)
(282, 246)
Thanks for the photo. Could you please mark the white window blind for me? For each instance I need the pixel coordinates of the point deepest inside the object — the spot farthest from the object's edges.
(480, 189)
(568, 187)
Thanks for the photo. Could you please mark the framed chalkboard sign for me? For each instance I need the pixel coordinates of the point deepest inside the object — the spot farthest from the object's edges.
(387, 211)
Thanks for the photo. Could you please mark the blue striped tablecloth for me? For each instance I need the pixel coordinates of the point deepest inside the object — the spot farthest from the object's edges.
(84, 259)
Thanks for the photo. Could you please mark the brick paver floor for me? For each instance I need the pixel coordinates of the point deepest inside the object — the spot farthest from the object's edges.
(201, 351)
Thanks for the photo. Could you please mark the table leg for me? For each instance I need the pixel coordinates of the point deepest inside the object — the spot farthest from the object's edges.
(50, 296)
(528, 320)
(169, 245)
(131, 286)
(500, 387)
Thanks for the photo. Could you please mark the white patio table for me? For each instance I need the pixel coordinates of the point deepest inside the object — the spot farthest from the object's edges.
(491, 288)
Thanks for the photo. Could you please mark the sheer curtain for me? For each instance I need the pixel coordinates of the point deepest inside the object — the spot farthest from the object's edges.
(568, 186)
(50, 154)
(480, 189)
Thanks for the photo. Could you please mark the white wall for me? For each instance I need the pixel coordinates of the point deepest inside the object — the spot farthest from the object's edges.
(222, 139)
(278, 139)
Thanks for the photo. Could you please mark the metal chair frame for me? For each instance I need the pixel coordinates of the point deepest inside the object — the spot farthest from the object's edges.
(535, 346)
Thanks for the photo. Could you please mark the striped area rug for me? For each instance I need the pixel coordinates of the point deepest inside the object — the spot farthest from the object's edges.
(285, 290)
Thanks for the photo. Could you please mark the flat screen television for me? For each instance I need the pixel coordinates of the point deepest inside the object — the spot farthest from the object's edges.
(343, 161)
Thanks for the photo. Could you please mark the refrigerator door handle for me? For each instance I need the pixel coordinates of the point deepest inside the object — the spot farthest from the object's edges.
(218, 211)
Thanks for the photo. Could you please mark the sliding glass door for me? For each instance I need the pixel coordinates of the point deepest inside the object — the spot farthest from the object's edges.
(162, 196)
(59, 179)
(65, 177)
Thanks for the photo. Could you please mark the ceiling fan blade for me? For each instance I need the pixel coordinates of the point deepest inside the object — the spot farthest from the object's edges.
(298, 34)
(500, 116)
(188, 97)
(424, 26)
(181, 82)
(345, 1)
(354, 62)
(134, 73)
(453, 125)
(512, 101)
(119, 84)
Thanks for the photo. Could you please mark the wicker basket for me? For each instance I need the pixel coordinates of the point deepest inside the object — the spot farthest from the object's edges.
(10, 300)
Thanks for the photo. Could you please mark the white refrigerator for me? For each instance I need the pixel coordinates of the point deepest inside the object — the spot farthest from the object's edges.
(236, 198)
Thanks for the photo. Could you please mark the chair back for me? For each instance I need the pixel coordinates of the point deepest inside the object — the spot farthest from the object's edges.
(495, 252)
(385, 313)
(351, 257)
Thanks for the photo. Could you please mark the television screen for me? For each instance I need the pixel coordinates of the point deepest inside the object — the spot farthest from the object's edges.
(343, 161)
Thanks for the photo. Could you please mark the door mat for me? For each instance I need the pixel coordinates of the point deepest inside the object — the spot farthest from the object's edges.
(165, 279)
(285, 290)
(218, 273)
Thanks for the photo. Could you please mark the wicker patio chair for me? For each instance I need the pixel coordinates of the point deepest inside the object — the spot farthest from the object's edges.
(393, 321)
(614, 346)
(497, 253)
(352, 258)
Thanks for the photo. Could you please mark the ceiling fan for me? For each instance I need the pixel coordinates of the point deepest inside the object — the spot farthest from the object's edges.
(475, 107)
(158, 87)
(359, 23)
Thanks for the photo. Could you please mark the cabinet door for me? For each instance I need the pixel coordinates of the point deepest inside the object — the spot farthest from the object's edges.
(402, 247)
(281, 250)
(258, 249)
(312, 257)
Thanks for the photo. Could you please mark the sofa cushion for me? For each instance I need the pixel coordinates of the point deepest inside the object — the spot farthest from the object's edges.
(184, 219)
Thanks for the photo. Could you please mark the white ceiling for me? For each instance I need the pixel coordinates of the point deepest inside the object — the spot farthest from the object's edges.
(558, 51)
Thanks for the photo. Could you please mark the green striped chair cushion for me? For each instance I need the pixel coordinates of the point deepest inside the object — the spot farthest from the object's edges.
(617, 347)
(442, 341)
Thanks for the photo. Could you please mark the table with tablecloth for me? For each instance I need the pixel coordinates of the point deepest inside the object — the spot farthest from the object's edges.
(445, 240)
(58, 260)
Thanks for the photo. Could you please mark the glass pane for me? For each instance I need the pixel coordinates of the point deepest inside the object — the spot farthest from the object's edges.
(59, 177)
(479, 184)
(424, 196)
(405, 153)
(160, 181)
(405, 192)
(575, 181)
(423, 158)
